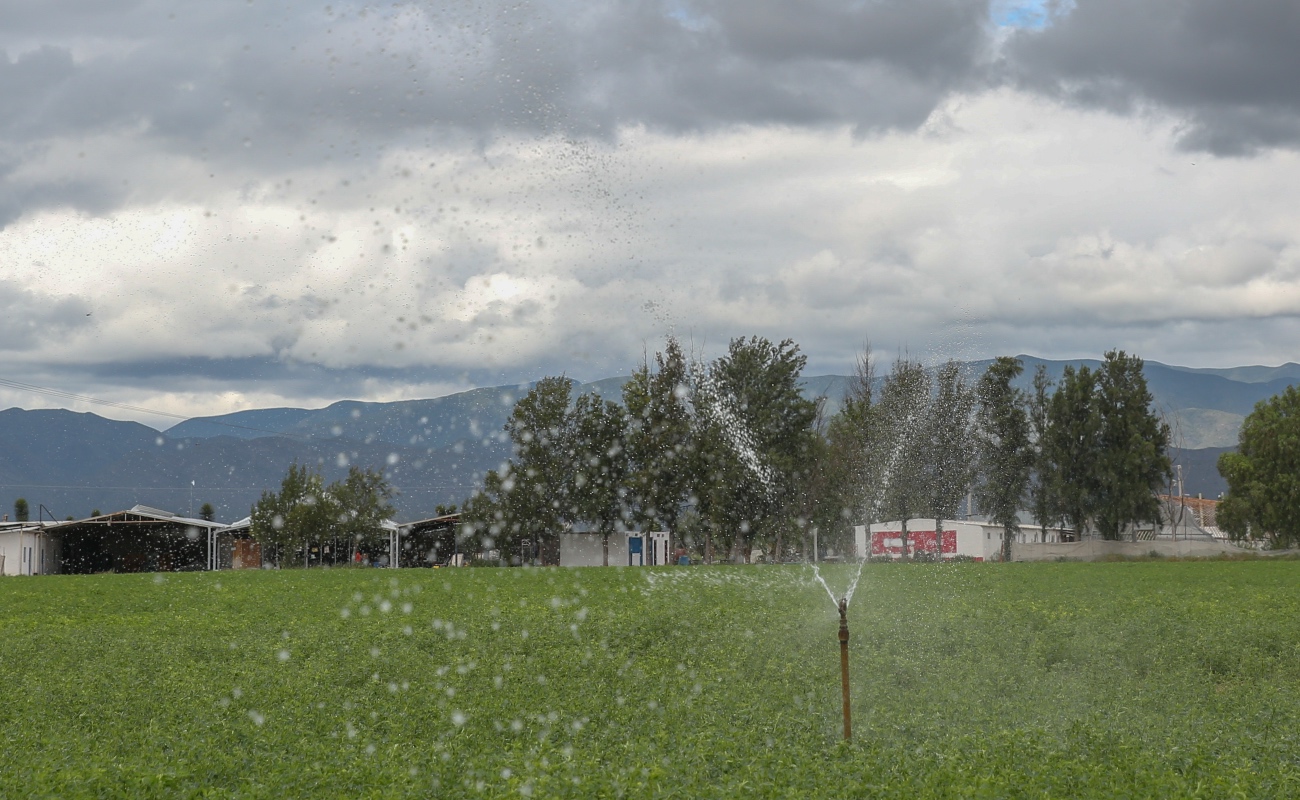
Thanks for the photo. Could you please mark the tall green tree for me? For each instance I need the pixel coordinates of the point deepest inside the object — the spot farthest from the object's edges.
(948, 446)
(600, 468)
(207, 512)
(524, 507)
(1072, 449)
(21, 511)
(1042, 502)
(757, 428)
(852, 457)
(901, 491)
(1003, 453)
(660, 442)
(1133, 463)
(1263, 499)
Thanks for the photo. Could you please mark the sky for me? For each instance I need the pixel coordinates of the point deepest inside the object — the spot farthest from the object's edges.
(226, 204)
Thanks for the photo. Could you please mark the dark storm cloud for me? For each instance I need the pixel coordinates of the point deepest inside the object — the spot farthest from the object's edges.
(251, 80)
(1229, 68)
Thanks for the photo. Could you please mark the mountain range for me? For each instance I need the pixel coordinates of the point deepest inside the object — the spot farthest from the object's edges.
(436, 451)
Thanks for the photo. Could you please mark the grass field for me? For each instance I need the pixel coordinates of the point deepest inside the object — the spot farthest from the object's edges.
(971, 680)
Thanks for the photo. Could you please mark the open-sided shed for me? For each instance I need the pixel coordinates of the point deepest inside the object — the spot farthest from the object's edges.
(428, 542)
(141, 539)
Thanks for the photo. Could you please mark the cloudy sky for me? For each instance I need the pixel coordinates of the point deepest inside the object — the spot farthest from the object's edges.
(223, 204)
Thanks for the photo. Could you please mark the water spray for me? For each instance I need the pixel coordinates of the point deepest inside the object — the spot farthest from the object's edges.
(844, 666)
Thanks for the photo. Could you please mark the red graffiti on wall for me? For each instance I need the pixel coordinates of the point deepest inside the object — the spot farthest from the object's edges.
(890, 543)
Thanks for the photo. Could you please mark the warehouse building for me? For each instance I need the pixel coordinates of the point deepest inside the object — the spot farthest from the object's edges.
(141, 539)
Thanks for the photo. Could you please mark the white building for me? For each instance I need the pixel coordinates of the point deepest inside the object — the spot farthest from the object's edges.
(981, 541)
(630, 549)
(26, 548)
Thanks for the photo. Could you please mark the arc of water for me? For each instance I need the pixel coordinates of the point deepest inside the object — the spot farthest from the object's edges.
(709, 400)
(817, 573)
(888, 475)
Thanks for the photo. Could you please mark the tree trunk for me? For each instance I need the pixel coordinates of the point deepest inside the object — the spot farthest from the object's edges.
(604, 542)
(938, 539)
(906, 551)
(708, 544)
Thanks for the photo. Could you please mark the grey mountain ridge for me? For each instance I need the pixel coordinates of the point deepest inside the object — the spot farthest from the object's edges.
(435, 451)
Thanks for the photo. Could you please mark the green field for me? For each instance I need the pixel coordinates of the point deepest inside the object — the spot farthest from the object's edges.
(969, 680)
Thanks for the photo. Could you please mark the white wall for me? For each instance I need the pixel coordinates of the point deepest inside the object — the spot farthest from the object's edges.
(585, 550)
(29, 553)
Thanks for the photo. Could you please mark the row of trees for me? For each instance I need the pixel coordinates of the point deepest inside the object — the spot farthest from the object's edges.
(717, 454)
(305, 512)
(729, 454)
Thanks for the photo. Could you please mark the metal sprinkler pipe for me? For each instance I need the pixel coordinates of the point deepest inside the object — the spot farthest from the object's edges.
(844, 666)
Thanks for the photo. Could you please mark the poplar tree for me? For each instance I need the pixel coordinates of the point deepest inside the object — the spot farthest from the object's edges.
(1002, 436)
(1042, 502)
(1071, 445)
(949, 445)
(1133, 460)
(662, 462)
(898, 450)
(530, 499)
(852, 455)
(600, 467)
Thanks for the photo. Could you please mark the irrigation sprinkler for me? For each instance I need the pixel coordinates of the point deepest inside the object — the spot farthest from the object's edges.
(844, 666)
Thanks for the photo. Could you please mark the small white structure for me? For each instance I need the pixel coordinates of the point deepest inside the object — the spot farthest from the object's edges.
(633, 549)
(647, 549)
(587, 550)
(26, 548)
(657, 548)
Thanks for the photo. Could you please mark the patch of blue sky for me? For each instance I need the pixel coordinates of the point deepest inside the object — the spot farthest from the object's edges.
(685, 15)
(1030, 14)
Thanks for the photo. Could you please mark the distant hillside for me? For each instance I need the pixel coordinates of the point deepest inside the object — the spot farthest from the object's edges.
(232, 473)
(47, 446)
(1200, 471)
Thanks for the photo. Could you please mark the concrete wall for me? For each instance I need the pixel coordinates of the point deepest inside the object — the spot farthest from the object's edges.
(1096, 549)
(585, 550)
